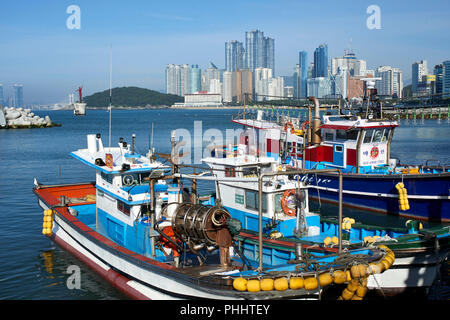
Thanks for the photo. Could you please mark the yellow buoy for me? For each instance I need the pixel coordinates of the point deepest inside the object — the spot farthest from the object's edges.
(355, 272)
(296, 283)
(361, 291)
(310, 283)
(339, 277)
(356, 297)
(325, 279)
(253, 285)
(281, 284)
(327, 241)
(348, 274)
(353, 285)
(267, 284)
(240, 284)
(335, 240)
(347, 294)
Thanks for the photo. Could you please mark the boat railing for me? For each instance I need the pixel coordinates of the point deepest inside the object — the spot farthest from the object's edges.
(294, 172)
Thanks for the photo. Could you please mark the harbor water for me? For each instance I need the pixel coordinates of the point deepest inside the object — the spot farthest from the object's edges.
(34, 268)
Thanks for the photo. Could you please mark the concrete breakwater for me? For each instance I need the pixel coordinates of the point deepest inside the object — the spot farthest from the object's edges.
(18, 118)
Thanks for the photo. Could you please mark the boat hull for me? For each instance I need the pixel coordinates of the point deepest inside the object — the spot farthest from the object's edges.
(428, 194)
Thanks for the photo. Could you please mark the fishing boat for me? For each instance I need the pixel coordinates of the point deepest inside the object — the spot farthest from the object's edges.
(271, 199)
(136, 228)
(360, 146)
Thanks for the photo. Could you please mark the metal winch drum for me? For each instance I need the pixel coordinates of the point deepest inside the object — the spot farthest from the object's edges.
(198, 222)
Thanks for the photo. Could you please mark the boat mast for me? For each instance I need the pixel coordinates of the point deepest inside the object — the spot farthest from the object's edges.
(110, 91)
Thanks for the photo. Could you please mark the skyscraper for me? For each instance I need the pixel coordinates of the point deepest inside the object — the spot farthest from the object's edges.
(419, 69)
(196, 79)
(321, 61)
(234, 55)
(296, 82)
(173, 79)
(259, 51)
(446, 78)
(18, 96)
(185, 79)
(303, 64)
(391, 83)
(439, 73)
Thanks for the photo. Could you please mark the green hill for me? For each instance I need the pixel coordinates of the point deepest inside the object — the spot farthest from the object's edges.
(131, 97)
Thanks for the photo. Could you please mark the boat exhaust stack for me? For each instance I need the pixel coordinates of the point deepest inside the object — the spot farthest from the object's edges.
(316, 137)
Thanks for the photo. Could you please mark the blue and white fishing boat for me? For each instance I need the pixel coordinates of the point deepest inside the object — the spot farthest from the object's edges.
(361, 149)
(135, 228)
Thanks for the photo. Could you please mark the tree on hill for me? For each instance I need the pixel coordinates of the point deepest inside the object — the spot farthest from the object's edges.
(131, 97)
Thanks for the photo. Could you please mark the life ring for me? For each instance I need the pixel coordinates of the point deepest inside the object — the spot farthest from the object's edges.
(288, 124)
(304, 125)
(284, 203)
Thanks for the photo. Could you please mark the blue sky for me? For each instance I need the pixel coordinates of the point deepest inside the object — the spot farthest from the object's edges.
(51, 61)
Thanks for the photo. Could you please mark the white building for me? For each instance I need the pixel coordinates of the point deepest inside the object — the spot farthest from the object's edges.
(419, 69)
(215, 86)
(275, 88)
(262, 76)
(201, 99)
(350, 62)
(227, 86)
(391, 82)
(173, 79)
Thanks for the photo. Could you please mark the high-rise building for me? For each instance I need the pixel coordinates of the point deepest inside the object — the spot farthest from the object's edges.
(18, 96)
(296, 77)
(319, 87)
(321, 61)
(261, 78)
(196, 79)
(212, 73)
(446, 78)
(234, 55)
(275, 88)
(185, 79)
(173, 79)
(349, 61)
(439, 73)
(227, 86)
(242, 85)
(419, 69)
(391, 83)
(339, 83)
(259, 51)
(303, 64)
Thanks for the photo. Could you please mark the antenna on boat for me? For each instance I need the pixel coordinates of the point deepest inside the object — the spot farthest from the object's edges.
(110, 91)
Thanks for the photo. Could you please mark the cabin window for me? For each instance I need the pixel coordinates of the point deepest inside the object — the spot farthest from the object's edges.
(107, 177)
(377, 135)
(341, 135)
(123, 207)
(368, 136)
(249, 171)
(328, 136)
(230, 172)
(386, 135)
(352, 134)
(252, 200)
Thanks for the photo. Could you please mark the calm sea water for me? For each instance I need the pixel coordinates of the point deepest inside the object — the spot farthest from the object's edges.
(32, 266)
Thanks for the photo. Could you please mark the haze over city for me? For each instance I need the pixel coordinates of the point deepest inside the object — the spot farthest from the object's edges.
(51, 60)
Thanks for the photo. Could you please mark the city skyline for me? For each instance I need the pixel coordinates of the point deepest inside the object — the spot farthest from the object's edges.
(51, 61)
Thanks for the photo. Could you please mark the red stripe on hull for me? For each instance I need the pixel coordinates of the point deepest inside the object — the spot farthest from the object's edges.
(116, 279)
